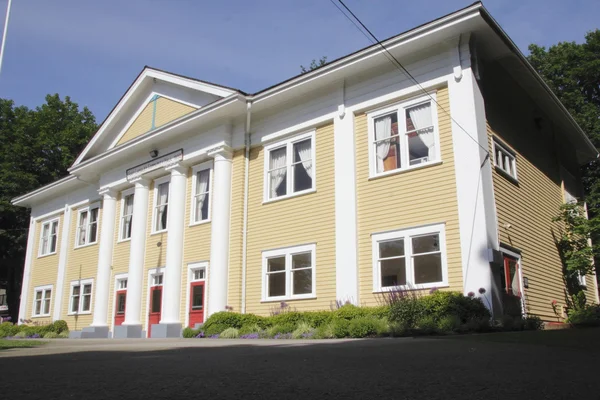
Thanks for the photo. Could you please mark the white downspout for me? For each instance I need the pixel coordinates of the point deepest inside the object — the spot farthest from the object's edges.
(245, 221)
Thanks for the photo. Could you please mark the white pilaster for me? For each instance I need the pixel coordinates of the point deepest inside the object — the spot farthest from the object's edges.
(219, 245)
(62, 263)
(476, 210)
(137, 250)
(105, 255)
(346, 265)
(27, 270)
(171, 300)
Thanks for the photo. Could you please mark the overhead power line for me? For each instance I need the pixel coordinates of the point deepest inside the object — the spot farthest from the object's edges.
(373, 39)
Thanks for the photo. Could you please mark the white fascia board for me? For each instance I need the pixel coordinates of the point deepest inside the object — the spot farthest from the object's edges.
(190, 83)
(57, 187)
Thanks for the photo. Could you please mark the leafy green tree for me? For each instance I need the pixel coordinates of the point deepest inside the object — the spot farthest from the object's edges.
(314, 64)
(37, 148)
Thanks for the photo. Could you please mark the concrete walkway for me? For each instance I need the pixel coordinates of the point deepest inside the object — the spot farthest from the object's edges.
(527, 365)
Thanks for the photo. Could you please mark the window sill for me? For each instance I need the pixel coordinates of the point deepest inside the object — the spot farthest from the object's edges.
(41, 316)
(199, 223)
(124, 240)
(158, 232)
(428, 286)
(80, 313)
(280, 299)
(404, 170)
(46, 255)
(289, 196)
(86, 245)
(505, 174)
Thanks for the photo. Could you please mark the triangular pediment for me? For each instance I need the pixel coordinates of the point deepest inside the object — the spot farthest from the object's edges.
(153, 100)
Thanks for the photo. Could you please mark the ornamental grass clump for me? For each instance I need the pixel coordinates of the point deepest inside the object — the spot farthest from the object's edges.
(302, 329)
(230, 333)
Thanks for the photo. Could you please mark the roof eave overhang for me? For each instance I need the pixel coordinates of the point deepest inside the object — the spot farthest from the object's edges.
(60, 186)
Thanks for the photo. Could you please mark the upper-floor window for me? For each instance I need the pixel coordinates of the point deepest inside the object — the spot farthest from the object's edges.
(289, 167)
(161, 205)
(81, 297)
(126, 215)
(289, 273)
(42, 299)
(403, 136)
(49, 237)
(410, 258)
(201, 193)
(87, 225)
(504, 159)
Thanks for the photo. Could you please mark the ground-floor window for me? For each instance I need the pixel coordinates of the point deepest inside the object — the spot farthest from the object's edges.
(42, 300)
(410, 258)
(289, 273)
(81, 297)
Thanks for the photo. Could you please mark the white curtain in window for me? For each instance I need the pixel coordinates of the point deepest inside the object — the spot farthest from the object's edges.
(421, 118)
(163, 193)
(278, 161)
(82, 228)
(305, 154)
(201, 188)
(383, 130)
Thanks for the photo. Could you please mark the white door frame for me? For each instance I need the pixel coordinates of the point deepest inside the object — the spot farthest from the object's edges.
(151, 273)
(118, 277)
(191, 267)
(517, 257)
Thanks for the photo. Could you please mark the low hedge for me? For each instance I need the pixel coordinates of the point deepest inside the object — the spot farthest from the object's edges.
(8, 329)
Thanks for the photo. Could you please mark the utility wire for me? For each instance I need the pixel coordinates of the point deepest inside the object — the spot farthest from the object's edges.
(373, 39)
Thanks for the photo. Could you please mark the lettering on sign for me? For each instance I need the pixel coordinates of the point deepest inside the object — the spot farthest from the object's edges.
(160, 162)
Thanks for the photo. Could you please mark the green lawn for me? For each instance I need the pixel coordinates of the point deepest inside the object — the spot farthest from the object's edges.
(15, 343)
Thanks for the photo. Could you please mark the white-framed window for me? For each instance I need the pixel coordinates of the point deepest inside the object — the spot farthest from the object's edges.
(504, 159)
(201, 196)
(81, 297)
(49, 237)
(290, 167)
(157, 279)
(122, 284)
(126, 214)
(42, 296)
(412, 258)
(161, 205)
(87, 225)
(198, 274)
(403, 136)
(289, 273)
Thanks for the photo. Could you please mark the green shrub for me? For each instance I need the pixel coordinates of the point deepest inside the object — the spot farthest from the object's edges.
(8, 329)
(318, 318)
(448, 324)
(303, 328)
(189, 333)
(325, 331)
(50, 335)
(224, 318)
(230, 333)
(340, 328)
(282, 328)
(439, 304)
(534, 323)
(427, 325)
(585, 316)
(251, 328)
(349, 312)
(287, 318)
(398, 329)
(214, 329)
(476, 325)
(406, 311)
(366, 327)
(20, 334)
(58, 326)
(251, 319)
(64, 335)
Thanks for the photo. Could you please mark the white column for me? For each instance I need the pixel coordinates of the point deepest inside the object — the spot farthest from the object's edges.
(133, 308)
(346, 252)
(171, 300)
(27, 270)
(62, 262)
(105, 255)
(219, 245)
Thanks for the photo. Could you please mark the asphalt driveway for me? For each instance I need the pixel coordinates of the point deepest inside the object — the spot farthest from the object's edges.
(528, 365)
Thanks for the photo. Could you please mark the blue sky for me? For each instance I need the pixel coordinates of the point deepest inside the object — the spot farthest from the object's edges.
(92, 50)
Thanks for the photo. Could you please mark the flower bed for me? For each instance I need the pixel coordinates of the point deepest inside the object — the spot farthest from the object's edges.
(405, 314)
(56, 329)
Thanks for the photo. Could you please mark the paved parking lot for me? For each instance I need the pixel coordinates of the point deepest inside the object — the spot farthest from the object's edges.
(528, 365)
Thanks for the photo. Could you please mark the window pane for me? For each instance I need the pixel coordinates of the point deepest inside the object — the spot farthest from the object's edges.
(197, 297)
(156, 299)
(302, 180)
(278, 172)
(87, 289)
(38, 295)
(48, 294)
(428, 268)
(276, 284)
(127, 227)
(54, 227)
(47, 306)
(386, 126)
(392, 248)
(163, 193)
(303, 165)
(277, 158)
(38, 307)
(419, 128)
(87, 298)
(53, 240)
(303, 260)
(387, 145)
(121, 299)
(93, 225)
(426, 244)
(75, 304)
(276, 264)
(202, 195)
(128, 205)
(393, 272)
(302, 281)
(198, 274)
(76, 290)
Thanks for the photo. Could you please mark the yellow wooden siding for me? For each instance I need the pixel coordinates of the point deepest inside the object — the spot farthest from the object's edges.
(234, 286)
(196, 245)
(293, 221)
(44, 271)
(414, 198)
(529, 206)
(167, 110)
(82, 263)
(120, 261)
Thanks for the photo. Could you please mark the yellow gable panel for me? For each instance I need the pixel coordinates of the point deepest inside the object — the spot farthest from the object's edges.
(157, 112)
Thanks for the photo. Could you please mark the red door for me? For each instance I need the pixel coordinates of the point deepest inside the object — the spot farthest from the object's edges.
(196, 303)
(120, 307)
(155, 307)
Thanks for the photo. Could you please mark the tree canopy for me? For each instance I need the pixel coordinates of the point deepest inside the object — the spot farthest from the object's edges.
(38, 145)
(314, 64)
